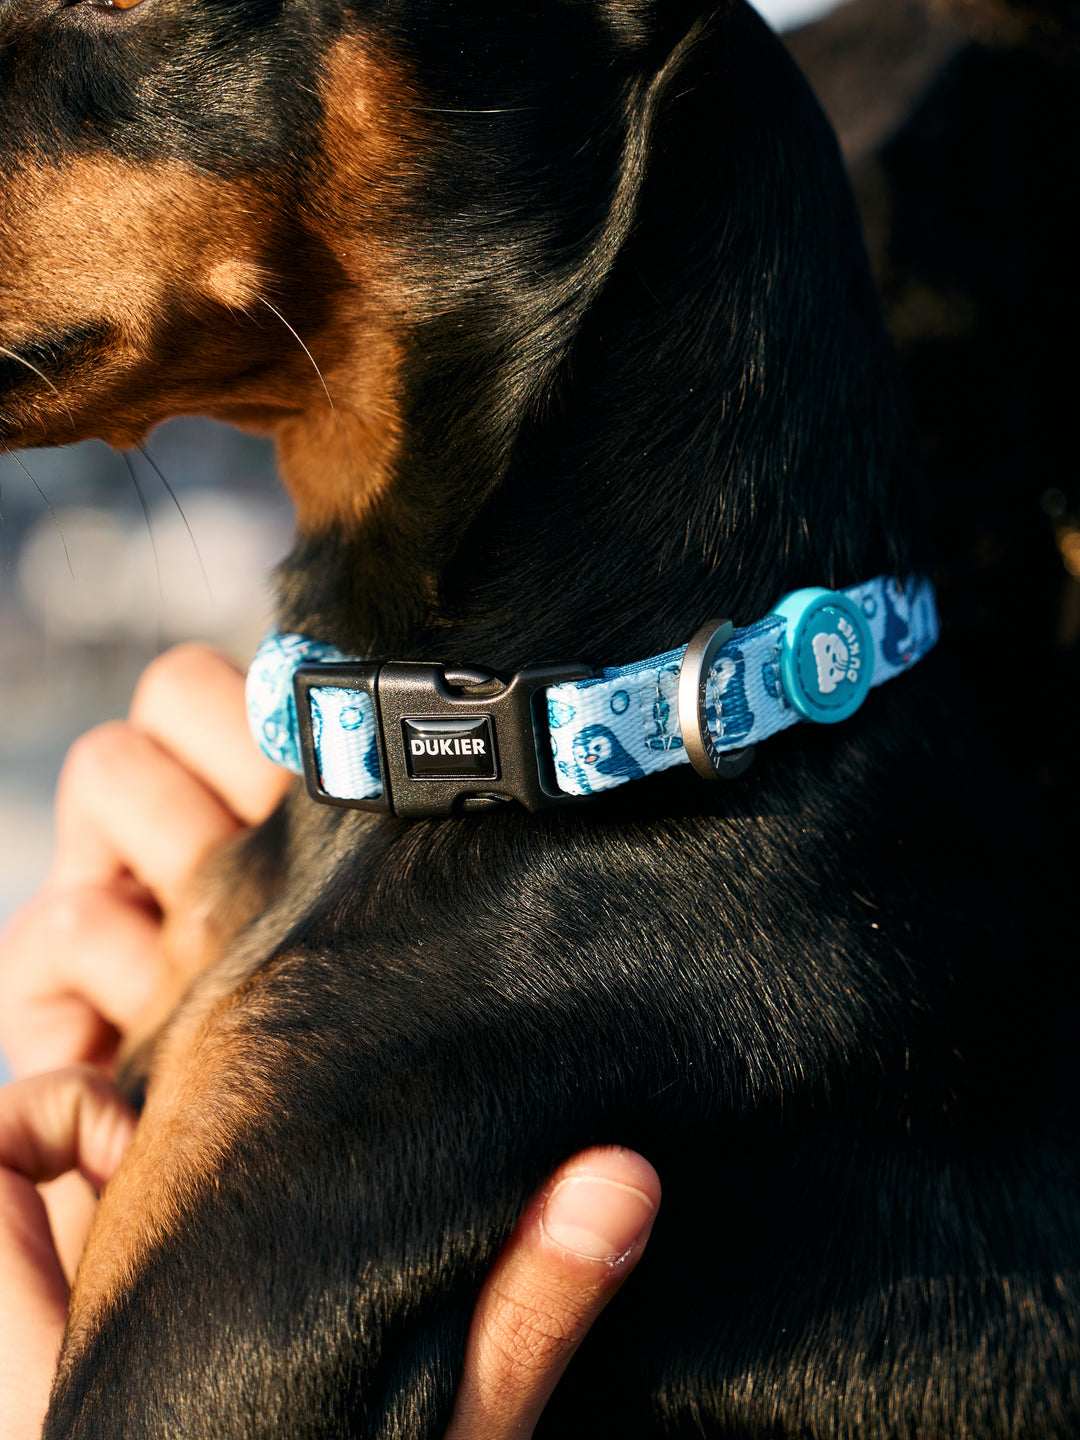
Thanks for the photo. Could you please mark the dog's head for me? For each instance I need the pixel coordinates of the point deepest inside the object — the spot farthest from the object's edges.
(399, 235)
(253, 208)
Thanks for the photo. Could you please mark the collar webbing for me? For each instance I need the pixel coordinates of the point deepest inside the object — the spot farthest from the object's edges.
(814, 657)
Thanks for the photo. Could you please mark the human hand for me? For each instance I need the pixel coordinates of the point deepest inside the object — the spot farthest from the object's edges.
(139, 806)
(578, 1240)
(71, 1119)
(573, 1248)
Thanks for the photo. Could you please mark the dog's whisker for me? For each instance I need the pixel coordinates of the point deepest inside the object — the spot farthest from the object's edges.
(146, 516)
(274, 311)
(22, 360)
(145, 453)
(322, 381)
(51, 510)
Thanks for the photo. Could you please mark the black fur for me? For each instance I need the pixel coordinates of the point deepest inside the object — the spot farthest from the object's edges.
(650, 385)
(966, 197)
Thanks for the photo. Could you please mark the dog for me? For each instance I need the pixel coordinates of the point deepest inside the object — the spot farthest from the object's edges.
(563, 323)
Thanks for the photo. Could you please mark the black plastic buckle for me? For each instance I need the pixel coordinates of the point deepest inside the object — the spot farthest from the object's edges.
(492, 733)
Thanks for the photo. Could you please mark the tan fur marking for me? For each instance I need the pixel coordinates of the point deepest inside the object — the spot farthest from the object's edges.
(204, 1090)
(164, 257)
(219, 299)
(236, 283)
(336, 467)
(337, 462)
(207, 1081)
(224, 896)
(100, 239)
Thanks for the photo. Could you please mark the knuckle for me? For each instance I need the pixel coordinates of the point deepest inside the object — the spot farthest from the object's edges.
(83, 1076)
(169, 679)
(76, 1084)
(523, 1339)
(93, 756)
(54, 924)
(40, 941)
(70, 915)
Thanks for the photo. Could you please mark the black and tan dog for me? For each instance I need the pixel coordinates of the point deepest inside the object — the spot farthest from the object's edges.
(584, 282)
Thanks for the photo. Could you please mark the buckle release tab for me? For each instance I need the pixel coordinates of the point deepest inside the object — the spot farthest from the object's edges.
(449, 739)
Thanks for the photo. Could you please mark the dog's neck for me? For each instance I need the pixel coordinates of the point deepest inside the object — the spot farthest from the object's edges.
(717, 423)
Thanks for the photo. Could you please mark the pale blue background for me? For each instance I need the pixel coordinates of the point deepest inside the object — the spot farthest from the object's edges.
(786, 14)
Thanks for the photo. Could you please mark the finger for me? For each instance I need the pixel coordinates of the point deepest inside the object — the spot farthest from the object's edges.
(71, 1119)
(573, 1248)
(191, 701)
(80, 966)
(125, 805)
(33, 1308)
(70, 1203)
(49, 1124)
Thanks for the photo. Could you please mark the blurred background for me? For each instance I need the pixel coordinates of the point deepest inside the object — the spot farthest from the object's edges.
(107, 559)
(104, 561)
(787, 14)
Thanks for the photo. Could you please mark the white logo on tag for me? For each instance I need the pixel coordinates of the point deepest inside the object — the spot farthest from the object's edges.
(831, 656)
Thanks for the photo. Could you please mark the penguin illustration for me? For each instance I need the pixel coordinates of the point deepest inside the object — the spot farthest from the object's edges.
(736, 719)
(597, 751)
(667, 688)
(897, 644)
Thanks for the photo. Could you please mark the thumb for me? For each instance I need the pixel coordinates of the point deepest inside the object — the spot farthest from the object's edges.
(573, 1248)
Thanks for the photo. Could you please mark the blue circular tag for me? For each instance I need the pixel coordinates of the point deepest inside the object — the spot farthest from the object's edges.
(826, 654)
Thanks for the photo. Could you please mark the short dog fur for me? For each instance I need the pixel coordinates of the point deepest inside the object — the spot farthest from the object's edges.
(584, 282)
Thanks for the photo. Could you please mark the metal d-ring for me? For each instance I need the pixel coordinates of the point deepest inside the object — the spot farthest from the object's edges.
(701, 751)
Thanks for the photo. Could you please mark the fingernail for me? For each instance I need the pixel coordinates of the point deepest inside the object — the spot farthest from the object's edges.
(595, 1218)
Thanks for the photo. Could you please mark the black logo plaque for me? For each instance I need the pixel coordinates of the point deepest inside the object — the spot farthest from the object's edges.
(439, 748)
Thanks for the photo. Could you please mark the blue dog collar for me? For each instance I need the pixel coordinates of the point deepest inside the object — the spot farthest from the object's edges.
(418, 739)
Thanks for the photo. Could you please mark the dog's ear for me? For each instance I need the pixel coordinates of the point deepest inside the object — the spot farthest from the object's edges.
(642, 24)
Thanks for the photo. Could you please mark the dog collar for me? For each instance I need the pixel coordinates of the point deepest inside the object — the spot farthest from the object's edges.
(411, 739)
